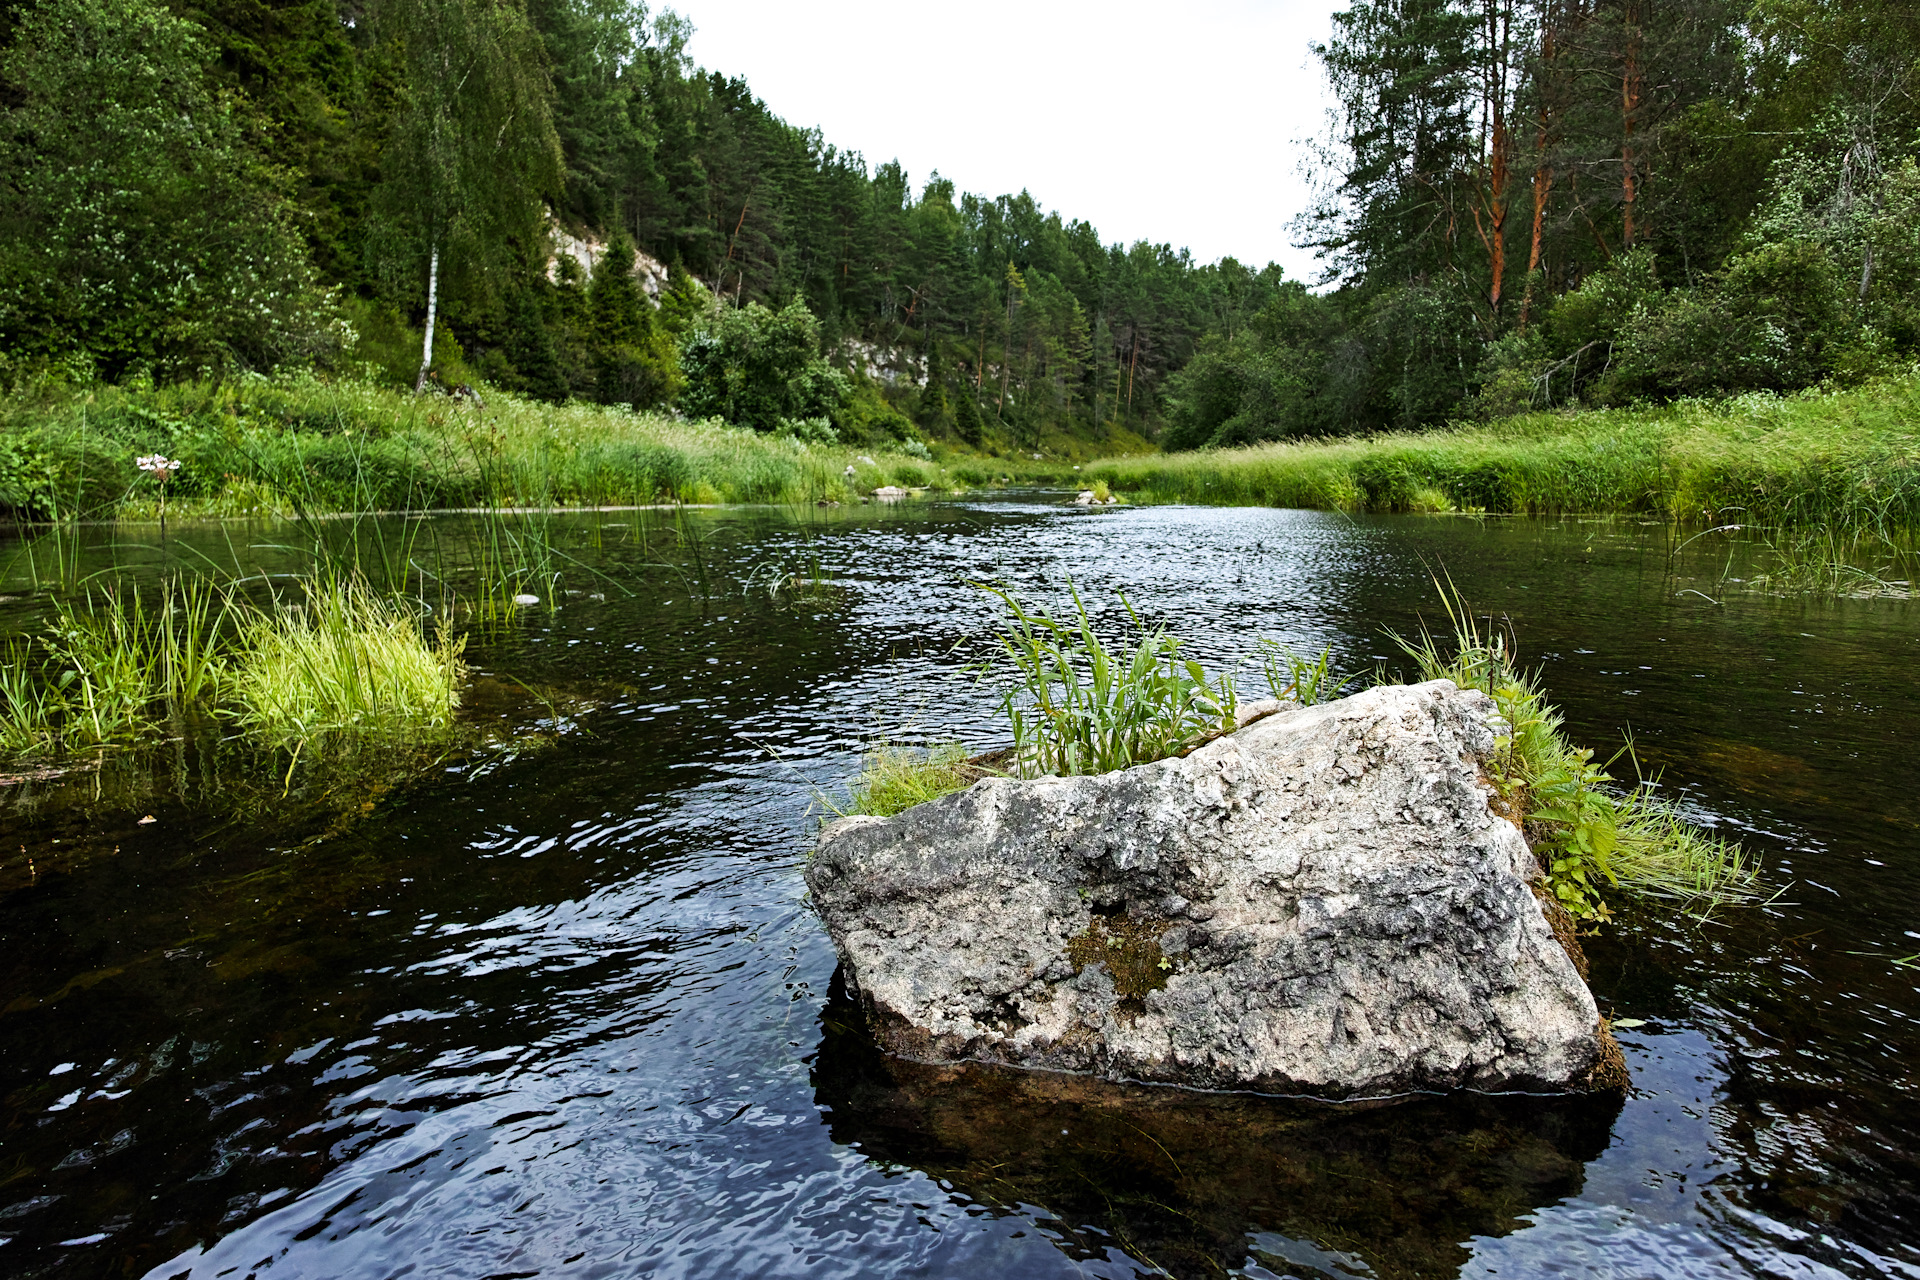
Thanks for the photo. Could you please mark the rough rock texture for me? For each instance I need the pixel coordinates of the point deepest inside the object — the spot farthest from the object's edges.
(1318, 903)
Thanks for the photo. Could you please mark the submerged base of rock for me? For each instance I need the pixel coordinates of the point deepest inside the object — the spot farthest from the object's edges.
(1319, 903)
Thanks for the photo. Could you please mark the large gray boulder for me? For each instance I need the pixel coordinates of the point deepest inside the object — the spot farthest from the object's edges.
(1319, 903)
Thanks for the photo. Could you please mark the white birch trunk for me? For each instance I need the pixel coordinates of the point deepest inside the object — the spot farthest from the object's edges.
(426, 348)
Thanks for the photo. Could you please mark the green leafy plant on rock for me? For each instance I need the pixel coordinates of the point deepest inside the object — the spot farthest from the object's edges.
(1078, 707)
(1589, 835)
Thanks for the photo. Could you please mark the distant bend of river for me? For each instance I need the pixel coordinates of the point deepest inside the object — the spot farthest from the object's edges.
(563, 1010)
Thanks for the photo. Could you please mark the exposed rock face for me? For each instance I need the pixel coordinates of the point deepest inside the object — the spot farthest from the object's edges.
(1318, 903)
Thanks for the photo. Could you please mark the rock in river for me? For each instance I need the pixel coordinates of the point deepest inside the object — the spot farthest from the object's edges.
(1319, 903)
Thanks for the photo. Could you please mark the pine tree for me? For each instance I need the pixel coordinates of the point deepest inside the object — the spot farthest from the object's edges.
(966, 418)
(634, 359)
(933, 399)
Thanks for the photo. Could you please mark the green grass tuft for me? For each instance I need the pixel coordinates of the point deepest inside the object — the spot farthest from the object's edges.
(344, 660)
(895, 778)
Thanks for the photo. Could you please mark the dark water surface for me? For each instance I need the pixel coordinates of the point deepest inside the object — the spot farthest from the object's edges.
(561, 1010)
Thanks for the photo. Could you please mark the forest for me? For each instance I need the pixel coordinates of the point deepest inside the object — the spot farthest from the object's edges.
(1588, 202)
(1523, 204)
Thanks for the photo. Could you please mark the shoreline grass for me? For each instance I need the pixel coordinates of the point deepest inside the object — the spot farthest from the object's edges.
(302, 445)
(1817, 459)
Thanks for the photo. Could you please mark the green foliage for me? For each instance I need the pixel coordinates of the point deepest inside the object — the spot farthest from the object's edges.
(894, 778)
(1077, 707)
(1587, 836)
(866, 418)
(108, 671)
(753, 367)
(470, 151)
(1268, 382)
(140, 231)
(1302, 680)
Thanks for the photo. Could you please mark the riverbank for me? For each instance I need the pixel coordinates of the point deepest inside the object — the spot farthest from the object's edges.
(301, 444)
(1849, 458)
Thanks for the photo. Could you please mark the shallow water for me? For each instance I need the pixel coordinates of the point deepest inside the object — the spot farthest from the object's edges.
(560, 1009)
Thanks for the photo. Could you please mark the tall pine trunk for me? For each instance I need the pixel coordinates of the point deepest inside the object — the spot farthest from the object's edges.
(1543, 167)
(1631, 92)
(433, 298)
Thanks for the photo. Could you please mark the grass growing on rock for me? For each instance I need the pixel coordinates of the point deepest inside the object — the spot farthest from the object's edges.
(1076, 707)
(1588, 834)
(895, 778)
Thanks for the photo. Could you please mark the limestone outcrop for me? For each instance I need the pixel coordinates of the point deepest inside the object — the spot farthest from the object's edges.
(1319, 903)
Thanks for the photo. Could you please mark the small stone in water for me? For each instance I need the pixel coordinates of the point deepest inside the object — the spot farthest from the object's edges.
(526, 599)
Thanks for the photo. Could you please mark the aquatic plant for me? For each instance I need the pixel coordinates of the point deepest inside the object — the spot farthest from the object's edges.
(31, 707)
(1294, 678)
(107, 671)
(343, 659)
(1588, 835)
(1077, 707)
(1835, 562)
(161, 468)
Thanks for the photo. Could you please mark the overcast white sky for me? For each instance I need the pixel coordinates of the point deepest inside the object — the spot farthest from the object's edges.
(1178, 123)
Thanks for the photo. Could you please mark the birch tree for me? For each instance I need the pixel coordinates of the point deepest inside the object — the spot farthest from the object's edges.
(472, 153)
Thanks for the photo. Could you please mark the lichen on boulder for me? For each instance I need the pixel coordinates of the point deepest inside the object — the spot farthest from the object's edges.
(1319, 903)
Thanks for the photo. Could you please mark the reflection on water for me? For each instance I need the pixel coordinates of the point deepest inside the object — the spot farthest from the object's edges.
(562, 1010)
(1190, 1182)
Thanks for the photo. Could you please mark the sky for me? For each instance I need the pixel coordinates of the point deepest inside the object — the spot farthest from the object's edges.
(1185, 124)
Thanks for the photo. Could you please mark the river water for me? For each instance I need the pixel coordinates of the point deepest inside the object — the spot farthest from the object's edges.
(558, 1007)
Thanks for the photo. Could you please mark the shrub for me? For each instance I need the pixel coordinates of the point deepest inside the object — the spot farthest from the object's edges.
(753, 367)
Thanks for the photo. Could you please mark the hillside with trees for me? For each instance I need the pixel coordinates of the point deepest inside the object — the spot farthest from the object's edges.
(1534, 204)
(220, 186)
(1525, 204)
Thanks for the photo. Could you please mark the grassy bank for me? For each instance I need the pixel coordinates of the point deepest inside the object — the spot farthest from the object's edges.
(265, 446)
(1849, 458)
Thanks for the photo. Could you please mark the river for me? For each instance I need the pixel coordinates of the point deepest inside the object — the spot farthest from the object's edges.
(558, 1007)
